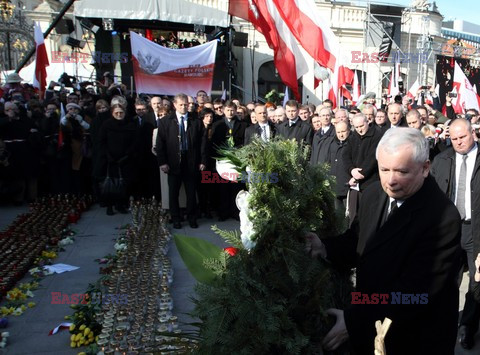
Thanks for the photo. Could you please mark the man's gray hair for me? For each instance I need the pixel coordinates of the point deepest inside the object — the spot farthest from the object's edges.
(369, 106)
(340, 110)
(180, 96)
(395, 138)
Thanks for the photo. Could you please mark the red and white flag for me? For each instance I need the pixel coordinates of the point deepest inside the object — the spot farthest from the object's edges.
(165, 71)
(356, 89)
(41, 61)
(466, 98)
(340, 76)
(265, 17)
(412, 92)
(310, 29)
(393, 88)
(283, 22)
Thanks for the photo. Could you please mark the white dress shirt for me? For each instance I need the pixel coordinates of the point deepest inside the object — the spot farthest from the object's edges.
(185, 120)
(471, 156)
(265, 127)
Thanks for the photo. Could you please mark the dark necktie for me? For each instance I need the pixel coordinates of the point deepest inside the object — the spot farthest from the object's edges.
(393, 208)
(462, 185)
(183, 136)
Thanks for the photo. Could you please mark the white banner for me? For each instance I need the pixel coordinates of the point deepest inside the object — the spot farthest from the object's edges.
(165, 71)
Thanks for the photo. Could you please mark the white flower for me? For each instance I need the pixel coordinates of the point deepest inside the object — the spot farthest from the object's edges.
(47, 271)
(65, 241)
(34, 270)
(120, 246)
(17, 311)
(246, 226)
(5, 335)
(29, 293)
(3, 344)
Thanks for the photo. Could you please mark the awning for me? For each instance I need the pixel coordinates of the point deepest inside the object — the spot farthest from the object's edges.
(180, 11)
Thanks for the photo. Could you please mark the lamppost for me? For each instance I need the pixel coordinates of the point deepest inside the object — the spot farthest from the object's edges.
(6, 14)
(15, 35)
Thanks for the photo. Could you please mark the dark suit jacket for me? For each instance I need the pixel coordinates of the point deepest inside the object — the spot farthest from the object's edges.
(300, 131)
(336, 165)
(443, 170)
(416, 251)
(360, 153)
(255, 130)
(150, 118)
(168, 144)
(220, 134)
(321, 146)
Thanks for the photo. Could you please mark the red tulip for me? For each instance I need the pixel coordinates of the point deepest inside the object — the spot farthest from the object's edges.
(231, 250)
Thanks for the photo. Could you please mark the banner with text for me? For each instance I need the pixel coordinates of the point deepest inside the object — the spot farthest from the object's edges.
(165, 71)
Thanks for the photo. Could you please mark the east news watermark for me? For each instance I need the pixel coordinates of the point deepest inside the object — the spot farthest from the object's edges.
(87, 58)
(211, 177)
(93, 298)
(389, 298)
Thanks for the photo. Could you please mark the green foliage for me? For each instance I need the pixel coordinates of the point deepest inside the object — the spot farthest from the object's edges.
(195, 252)
(274, 97)
(273, 298)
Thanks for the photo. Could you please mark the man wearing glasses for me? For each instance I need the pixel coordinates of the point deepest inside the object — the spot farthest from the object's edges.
(218, 109)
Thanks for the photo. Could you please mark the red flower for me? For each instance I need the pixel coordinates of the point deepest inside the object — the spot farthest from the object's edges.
(231, 250)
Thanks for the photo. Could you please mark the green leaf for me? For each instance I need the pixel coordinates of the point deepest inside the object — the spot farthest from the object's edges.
(193, 252)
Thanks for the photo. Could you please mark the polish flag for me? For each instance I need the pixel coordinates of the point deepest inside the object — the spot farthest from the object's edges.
(283, 22)
(393, 88)
(265, 17)
(41, 61)
(310, 29)
(412, 92)
(466, 98)
(340, 76)
(356, 89)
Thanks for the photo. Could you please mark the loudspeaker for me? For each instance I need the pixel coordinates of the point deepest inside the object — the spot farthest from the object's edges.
(64, 27)
(75, 43)
(240, 39)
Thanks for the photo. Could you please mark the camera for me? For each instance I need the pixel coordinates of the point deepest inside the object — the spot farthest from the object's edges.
(452, 94)
(431, 142)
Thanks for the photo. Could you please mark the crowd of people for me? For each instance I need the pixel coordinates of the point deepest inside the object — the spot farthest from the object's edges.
(160, 146)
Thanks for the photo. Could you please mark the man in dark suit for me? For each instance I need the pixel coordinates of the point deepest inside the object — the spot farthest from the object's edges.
(320, 149)
(457, 172)
(181, 153)
(153, 117)
(405, 245)
(263, 128)
(148, 184)
(294, 127)
(228, 131)
(395, 116)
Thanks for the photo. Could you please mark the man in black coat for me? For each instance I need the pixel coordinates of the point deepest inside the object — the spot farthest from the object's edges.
(181, 153)
(465, 193)
(405, 246)
(294, 127)
(263, 128)
(338, 144)
(359, 161)
(228, 131)
(320, 144)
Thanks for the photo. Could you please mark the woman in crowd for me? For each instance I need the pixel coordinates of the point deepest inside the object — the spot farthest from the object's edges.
(102, 109)
(205, 192)
(119, 149)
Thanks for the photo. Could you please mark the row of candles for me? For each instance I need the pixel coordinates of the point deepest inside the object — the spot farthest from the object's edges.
(30, 233)
(141, 276)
